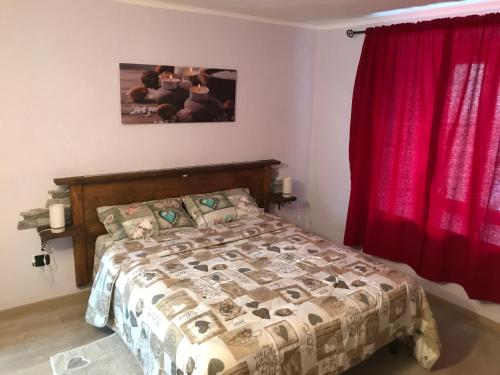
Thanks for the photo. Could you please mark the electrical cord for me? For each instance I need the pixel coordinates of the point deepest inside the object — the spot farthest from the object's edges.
(53, 262)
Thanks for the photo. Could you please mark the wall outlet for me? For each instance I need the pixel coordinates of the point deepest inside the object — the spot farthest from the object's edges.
(41, 260)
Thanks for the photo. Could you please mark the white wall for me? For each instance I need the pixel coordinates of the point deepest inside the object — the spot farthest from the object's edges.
(60, 115)
(60, 108)
(329, 180)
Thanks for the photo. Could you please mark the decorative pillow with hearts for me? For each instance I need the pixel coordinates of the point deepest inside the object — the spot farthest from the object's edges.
(221, 206)
(170, 215)
(113, 217)
(244, 203)
(210, 209)
(141, 228)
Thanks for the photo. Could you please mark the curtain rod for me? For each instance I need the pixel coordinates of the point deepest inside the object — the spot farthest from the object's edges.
(350, 33)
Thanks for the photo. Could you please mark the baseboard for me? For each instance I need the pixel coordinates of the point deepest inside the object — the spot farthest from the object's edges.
(74, 298)
(466, 312)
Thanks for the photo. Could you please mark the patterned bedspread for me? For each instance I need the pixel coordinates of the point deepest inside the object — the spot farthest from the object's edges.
(258, 296)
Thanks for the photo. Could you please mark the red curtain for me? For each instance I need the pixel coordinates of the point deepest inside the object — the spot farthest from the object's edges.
(424, 150)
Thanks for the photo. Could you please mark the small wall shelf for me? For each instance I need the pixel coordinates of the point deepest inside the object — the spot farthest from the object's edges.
(46, 234)
(281, 201)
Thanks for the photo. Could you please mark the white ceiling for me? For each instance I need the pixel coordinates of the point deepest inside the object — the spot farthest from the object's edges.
(302, 11)
(305, 12)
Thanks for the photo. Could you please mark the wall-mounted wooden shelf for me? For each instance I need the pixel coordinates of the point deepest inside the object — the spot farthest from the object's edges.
(47, 235)
(280, 200)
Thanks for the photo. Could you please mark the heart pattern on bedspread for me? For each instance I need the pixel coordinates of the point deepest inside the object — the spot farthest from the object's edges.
(255, 296)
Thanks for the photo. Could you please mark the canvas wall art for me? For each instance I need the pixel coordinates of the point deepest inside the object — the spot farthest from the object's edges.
(158, 94)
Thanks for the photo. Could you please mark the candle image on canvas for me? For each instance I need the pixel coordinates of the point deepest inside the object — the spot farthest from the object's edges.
(170, 83)
(159, 94)
(190, 73)
(199, 93)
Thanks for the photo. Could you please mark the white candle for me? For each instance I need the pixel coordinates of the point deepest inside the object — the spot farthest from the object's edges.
(169, 83)
(198, 93)
(56, 214)
(287, 186)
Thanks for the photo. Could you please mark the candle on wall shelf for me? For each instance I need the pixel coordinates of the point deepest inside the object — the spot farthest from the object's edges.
(287, 186)
(169, 83)
(56, 215)
(198, 93)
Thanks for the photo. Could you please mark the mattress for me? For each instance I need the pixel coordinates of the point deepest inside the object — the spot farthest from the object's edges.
(258, 296)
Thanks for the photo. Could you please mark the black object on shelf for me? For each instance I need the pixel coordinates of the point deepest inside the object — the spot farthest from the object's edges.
(281, 200)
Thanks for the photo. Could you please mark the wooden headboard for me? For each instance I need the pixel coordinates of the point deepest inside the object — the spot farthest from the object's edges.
(89, 192)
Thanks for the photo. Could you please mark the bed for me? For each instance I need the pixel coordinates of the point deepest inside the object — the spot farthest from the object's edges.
(253, 296)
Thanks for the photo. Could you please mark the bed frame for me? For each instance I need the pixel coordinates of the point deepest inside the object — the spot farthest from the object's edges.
(89, 192)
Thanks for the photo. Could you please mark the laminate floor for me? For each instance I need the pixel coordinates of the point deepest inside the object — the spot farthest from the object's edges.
(30, 336)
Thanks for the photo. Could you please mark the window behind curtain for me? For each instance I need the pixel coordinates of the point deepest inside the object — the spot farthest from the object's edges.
(424, 150)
